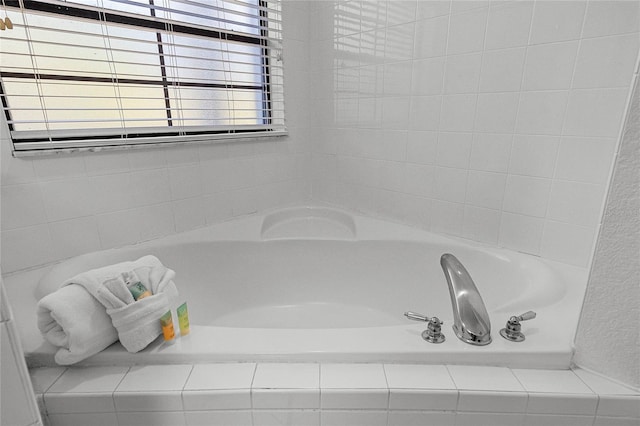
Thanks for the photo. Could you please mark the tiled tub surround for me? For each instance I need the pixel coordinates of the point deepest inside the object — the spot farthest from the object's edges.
(495, 121)
(316, 284)
(265, 394)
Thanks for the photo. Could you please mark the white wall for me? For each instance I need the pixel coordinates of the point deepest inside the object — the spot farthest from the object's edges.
(492, 121)
(60, 206)
(608, 340)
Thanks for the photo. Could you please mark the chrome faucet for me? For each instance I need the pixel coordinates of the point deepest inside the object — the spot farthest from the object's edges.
(470, 318)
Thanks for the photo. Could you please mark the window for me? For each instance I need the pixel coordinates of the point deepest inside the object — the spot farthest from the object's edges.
(88, 74)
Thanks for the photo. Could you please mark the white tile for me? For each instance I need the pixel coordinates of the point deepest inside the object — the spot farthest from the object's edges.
(534, 155)
(552, 420)
(75, 236)
(431, 9)
(502, 70)
(181, 154)
(538, 75)
(221, 376)
(619, 406)
(425, 112)
(392, 175)
(447, 217)
(478, 378)
(488, 419)
(615, 421)
(552, 381)
(481, 224)
(508, 24)
(496, 112)
(458, 113)
(150, 187)
(422, 399)
(421, 147)
(409, 376)
(84, 419)
(527, 195)
(562, 404)
(395, 113)
(567, 243)
(116, 192)
(595, 112)
(557, 21)
(58, 167)
(227, 399)
(353, 418)
(286, 417)
(218, 418)
(576, 202)
(152, 418)
(217, 207)
(611, 17)
(106, 163)
(541, 113)
(147, 401)
(91, 379)
(188, 214)
(118, 228)
(69, 198)
(22, 205)
(450, 184)
(282, 398)
(585, 159)
(86, 402)
(427, 76)
(185, 182)
(154, 158)
(461, 6)
(521, 233)
(602, 385)
(156, 221)
(453, 149)
(397, 79)
(352, 376)
(42, 378)
(462, 73)
(361, 399)
(492, 402)
(155, 378)
(490, 152)
(486, 189)
(431, 37)
(421, 418)
(417, 211)
(606, 62)
(466, 32)
(28, 247)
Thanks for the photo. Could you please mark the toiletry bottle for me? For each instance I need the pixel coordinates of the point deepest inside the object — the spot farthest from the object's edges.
(183, 319)
(167, 327)
(137, 289)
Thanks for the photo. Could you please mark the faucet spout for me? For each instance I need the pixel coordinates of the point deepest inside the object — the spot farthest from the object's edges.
(470, 318)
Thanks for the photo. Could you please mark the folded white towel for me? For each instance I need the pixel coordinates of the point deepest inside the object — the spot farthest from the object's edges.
(74, 321)
(138, 322)
(75, 318)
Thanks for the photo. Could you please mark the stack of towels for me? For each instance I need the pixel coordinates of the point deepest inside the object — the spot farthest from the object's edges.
(94, 309)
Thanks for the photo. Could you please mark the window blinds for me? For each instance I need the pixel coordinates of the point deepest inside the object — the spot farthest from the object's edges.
(85, 74)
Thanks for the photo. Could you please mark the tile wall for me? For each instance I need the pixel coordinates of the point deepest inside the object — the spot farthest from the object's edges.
(247, 394)
(493, 121)
(56, 207)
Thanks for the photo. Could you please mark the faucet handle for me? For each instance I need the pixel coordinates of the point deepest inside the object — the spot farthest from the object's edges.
(433, 333)
(511, 331)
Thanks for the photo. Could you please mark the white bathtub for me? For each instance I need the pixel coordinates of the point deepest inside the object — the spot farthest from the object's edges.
(318, 285)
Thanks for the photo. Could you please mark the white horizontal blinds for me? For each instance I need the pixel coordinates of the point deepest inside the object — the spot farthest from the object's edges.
(88, 73)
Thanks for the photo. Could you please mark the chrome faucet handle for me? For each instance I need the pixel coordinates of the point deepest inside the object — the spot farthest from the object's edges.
(433, 333)
(511, 331)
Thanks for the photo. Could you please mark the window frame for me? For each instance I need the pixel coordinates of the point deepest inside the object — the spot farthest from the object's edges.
(102, 139)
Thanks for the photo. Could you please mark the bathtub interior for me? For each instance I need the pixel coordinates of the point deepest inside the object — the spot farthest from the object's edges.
(310, 295)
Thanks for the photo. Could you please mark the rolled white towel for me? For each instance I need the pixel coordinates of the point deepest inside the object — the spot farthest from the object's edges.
(74, 321)
(138, 322)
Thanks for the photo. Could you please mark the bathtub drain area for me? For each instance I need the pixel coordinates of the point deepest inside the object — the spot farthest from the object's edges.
(301, 394)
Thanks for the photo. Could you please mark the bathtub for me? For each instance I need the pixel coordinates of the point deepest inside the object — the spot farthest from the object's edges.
(316, 284)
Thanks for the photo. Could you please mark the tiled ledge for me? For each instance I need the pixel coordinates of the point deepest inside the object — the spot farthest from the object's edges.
(265, 394)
